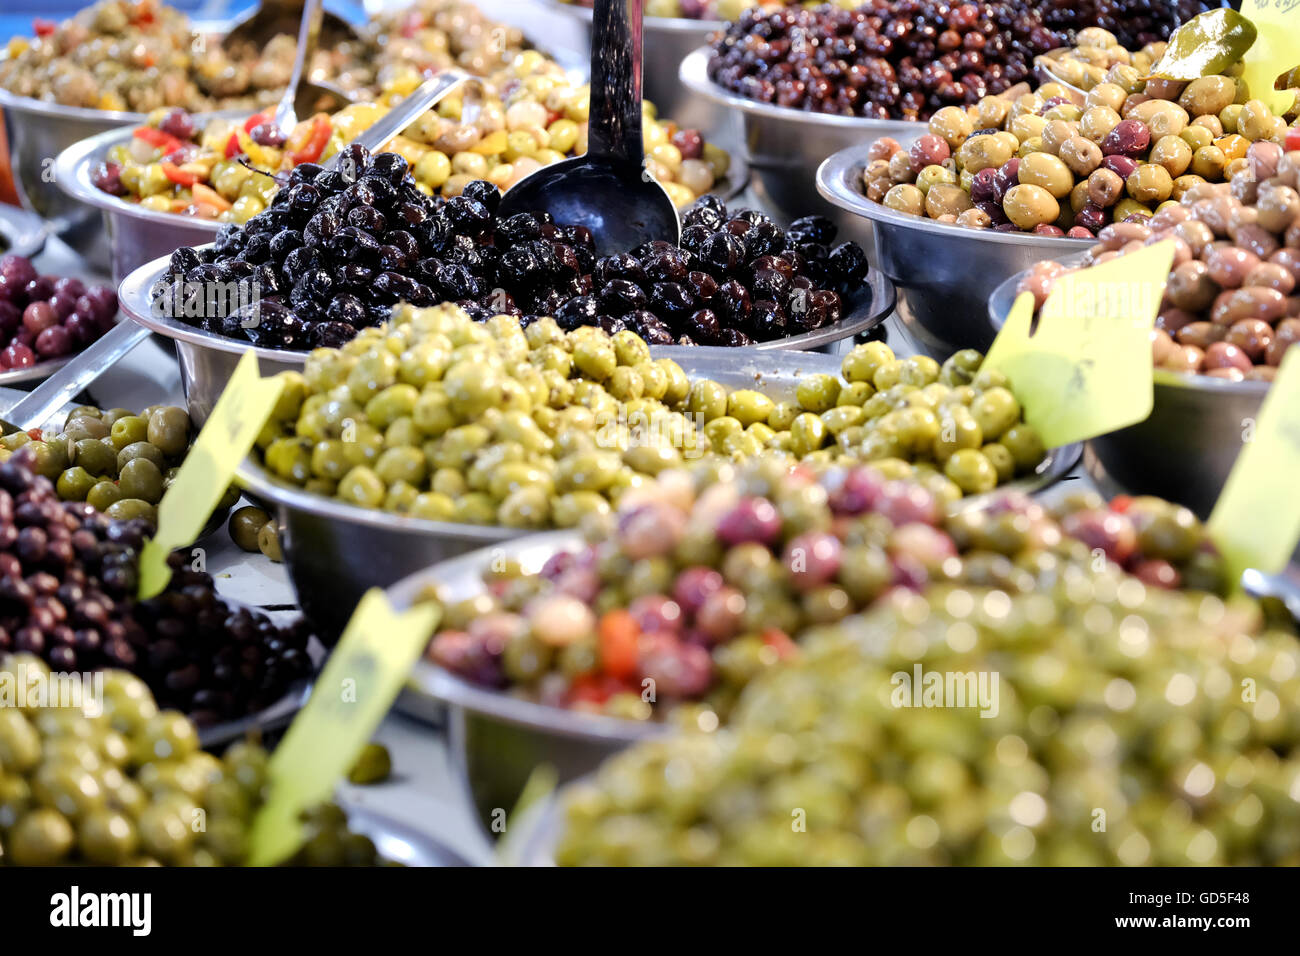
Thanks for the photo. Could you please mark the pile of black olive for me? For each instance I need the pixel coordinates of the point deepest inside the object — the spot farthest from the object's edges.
(339, 247)
(68, 578)
(733, 280)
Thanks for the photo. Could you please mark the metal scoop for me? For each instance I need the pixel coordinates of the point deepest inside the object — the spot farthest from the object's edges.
(35, 409)
(608, 190)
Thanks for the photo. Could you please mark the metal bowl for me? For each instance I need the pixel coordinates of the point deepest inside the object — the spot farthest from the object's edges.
(498, 740)
(136, 235)
(335, 551)
(23, 233)
(784, 147)
(206, 361)
(944, 273)
(33, 374)
(1185, 448)
(667, 41)
(39, 131)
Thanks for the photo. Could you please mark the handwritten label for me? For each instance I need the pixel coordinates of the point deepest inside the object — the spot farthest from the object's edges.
(1274, 51)
(226, 438)
(364, 674)
(1256, 521)
(1086, 370)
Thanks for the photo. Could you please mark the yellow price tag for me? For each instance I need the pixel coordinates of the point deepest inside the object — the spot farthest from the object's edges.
(1086, 370)
(353, 693)
(1256, 521)
(1274, 52)
(226, 438)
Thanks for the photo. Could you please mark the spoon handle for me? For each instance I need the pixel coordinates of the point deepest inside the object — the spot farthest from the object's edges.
(411, 107)
(614, 129)
(35, 408)
(313, 13)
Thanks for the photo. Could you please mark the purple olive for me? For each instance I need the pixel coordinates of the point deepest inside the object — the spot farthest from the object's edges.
(752, 519)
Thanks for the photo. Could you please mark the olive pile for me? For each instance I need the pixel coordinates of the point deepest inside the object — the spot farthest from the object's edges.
(337, 249)
(883, 59)
(1041, 164)
(703, 580)
(735, 278)
(439, 417)
(68, 578)
(1230, 307)
(1093, 695)
(128, 785)
(116, 461)
(44, 317)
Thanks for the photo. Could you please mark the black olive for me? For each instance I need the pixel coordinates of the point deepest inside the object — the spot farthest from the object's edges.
(657, 332)
(610, 324)
(770, 284)
(620, 265)
(183, 260)
(455, 282)
(305, 173)
(732, 303)
(578, 311)
(672, 301)
(703, 325)
(330, 335)
(666, 267)
(816, 229)
(722, 252)
(354, 275)
(367, 218)
(467, 216)
(284, 242)
(321, 228)
(621, 296)
(352, 161)
(390, 166)
(299, 261)
(848, 264)
(331, 181)
(485, 192)
(693, 237)
(355, 245)
(768, 321)
(519, 228)
(734, 338)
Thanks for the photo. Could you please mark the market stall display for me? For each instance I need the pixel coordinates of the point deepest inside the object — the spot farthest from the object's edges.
(683, 528)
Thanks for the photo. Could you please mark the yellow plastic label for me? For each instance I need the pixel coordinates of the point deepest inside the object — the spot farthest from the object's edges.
(1086, 369)
(226, 438)
(1274, 52)
(1256, 521)
(353, 693)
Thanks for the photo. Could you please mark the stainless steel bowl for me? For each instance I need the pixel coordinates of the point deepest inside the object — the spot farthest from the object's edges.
(33, 374)
(38, 132)
(23, 232)
(498, 740)
(667, 41)
(784, 147)
(136, 235)
(206, 361)
(398, 842)
(944, 273)
(1185, 448)
(335, 551)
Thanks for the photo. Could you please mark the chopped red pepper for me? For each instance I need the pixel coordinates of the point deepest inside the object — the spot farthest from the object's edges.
(1121, 503)
(1293, 138)
(593, 689)
(157, 138)
(316, 141)
(256, 120)
(42, 27)
(179, 176)
(780, 641)
(618, 633)
(232, 146)
(34, 434)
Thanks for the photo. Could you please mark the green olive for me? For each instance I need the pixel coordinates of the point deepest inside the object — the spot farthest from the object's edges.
(141, 478)
(74, 484)
(103, 494)
(168, 430)
(140, 449)
(244, 525)
(131, 509)
(268, 541)
(128, 430)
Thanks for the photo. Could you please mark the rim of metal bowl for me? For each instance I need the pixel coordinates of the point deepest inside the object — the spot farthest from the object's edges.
(834, 178)
(34, 373)
(30, 104)
(72, 173)
(694, 74)
(25, 232)
(445, 686)
(133, 300)
(1004, 295)
(864, 318)
(666, 24)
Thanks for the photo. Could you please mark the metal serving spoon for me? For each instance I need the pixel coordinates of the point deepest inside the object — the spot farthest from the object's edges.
(609, 189)
(36, 408)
